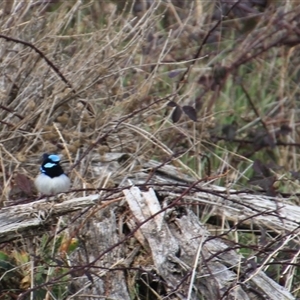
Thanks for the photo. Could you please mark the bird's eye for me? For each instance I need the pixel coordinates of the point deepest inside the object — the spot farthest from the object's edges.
(54, 157)
(49, 165)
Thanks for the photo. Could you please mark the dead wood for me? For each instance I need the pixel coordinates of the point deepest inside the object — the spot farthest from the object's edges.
(137, 238)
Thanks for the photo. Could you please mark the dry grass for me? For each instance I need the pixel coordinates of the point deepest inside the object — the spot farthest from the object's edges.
(112, 69)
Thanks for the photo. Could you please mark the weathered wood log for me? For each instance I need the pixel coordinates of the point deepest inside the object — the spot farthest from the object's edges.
(27, 219)
(161, 244)
(214, 276)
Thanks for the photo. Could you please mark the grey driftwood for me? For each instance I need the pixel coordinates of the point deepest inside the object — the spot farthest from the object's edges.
(173, 247)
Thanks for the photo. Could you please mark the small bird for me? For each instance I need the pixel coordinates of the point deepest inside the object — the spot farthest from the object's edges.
(52, 179)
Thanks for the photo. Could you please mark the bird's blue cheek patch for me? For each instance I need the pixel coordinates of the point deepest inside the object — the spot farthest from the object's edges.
(49, 165)
(54, 158)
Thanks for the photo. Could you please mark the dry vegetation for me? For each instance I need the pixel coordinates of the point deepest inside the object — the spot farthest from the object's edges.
(208, 86)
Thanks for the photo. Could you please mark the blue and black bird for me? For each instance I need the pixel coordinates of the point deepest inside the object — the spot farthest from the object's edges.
(52, 179)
